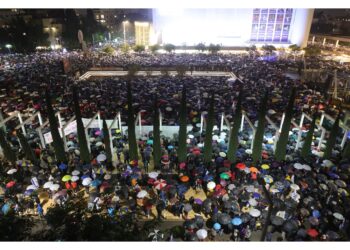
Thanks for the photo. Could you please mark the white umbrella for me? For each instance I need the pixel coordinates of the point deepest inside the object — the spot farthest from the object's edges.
(54, 187)
(31, 187)
(249, 151)
(202, 234)
(222, 154)
(75, 178)
(87, 181)
(327, 163)
(271, 112)
(48, 184)
(75, 172)
(231, 186)
(215, 137)
(254, 212)
(253, 202)
(298, 166)
(211, 185)
(338, 216)
(12, 171)
(191, 136)
(250, 189)
(142, 194)
(99, 143)
(101, 157)
(294, 186)
(107, 177)
(77, 152)
(306, 167)
(153, 175)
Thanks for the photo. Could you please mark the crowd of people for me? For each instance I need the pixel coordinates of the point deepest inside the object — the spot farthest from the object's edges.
(310, 196)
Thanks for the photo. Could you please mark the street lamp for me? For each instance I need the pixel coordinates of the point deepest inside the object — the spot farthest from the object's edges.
(124, 23)
(8, 46)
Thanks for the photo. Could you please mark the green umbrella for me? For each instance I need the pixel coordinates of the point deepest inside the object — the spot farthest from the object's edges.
(66, 178)
(224, 176)
(150, 142)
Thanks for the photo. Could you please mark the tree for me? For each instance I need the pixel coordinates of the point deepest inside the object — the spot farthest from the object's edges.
(233, 145)
(91, 28)
(164, 72)
(83, 146)
(305, 151)
(332, 137)
(181, 70)
(182, 150)
(169, 47)
(139, 48)
(280, 150)
(9, 154)
(133, 152)
(208, 147)
(57, 140)
(109, 50)
(154, 48)
(214, 48)
(346, 151)
(156, 135)
(201, 47)
(71, 26)
(26, 148)
(107, 142)
(259, 135)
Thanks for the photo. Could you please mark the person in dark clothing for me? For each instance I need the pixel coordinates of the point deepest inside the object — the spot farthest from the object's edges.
(160, 207)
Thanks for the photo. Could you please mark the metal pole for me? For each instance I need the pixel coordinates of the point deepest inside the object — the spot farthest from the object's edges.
(202, 121)
(344, 139)
(59, 119)
(140, 125)
(283, 116)
(87, 139)
(99, 120)
(110, 142)
(160, 120)
(40, 119)
(242, 123)
(120, 123)
(21, 122)
(42, 140)
(321, 139)
(2, 120)
(322, 118)
(64, 139)
(222, 121)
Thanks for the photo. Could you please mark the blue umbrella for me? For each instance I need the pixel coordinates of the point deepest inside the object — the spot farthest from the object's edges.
(170, 147)
(333, 175)
(5, 208)
(182, 189)
(217, 226)
(111, 211)
(85, 176)
(236, 221)
(208, 178)
(96, 183)
(28, 192)
(62, 166)
(256, 195)
(150, 142)
(316, 214)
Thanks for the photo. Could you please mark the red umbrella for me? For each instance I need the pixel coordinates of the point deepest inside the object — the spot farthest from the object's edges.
(218, 187)
(10, 184)
(312, 232)
(240, 166)
(151, 181)
(196, 152)
(159, 184)
(182, 165)
(184, 178)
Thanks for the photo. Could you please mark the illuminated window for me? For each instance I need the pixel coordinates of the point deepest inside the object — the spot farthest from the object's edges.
(102, 16)
(271, 25)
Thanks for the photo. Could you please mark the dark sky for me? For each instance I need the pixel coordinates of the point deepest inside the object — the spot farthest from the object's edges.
(334, 12)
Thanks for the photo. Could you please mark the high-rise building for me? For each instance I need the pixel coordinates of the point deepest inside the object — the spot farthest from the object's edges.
(142, 33)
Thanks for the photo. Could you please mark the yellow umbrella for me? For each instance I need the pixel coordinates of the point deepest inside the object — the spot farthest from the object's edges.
(66, 178)
(265, 166)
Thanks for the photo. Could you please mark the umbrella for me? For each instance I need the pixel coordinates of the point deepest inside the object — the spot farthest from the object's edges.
(54, 187)
(236, 221)
(62, 166)
(277, 220)
(322, 177)
(245, 217)
(6, 208)
(211, 185)
(254, 212)
(202, 234)
(224, 176)
(66, 178)
(294, 187)
(290, 226)
(250, 189)
(12, 171)
(312, 232)
(253, 169)
(302, 233)
(101, 157)
(217, 226)
(314, 221)
(87, 181)
(95, 183)
(31, 187)
(207, 203)
(208, 178)
(222, 154)
(338, 216)
(47, 184)
(75, 172)
(198, 201)
(85, 176)
(265, 166)
(240, 166)
(184, 178)
(333, 235)
(279, 185)
(253, 202)
(187, 207)
(306, 167)
(149, 142)
(224, 219)
(268, 179)
(10, 184)
(340, 183)
(142, 194)
(107, 177)
(75, 178)
(231, 186)
(298, 166)
(316, 213)
(159, 184)
(153, 175)
(304, 212)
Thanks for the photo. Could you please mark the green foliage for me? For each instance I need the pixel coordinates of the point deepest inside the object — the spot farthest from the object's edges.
(93, 30)
(259, 135)
(312, 51)
(332, 138)
(251, 48)
(201, 47)
(139, 48)
(181, 70)
(169, 47)
(280, 151)
(107, 141)
(208, 147)
(125, 48)
(57, 140)
(133, 152)
(109, 50)
(9, 154)
(305, 151)
(182, 150)
(83, 146)
(233, 145)
(154, 48)
(156, 135)
(214, 48)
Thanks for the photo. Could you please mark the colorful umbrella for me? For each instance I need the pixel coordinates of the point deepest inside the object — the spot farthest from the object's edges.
(268, 179)
(202, 234)
(184, 178)
(224, 176)
(75, 178)
(10, 184)
(95, 183)
(217, 226)
(66, 178)
(101, 157)
(211, 185)
(48, 184)
(312, 232)
(87, 181)
(75, 172)
(12, 171)
(240, 166)
(253, 170)
(153, 175)
(254, 212)
(159, 184)
(62, 166)
(236, 221)
(265, 166)
(54, 187)
(142, 194)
